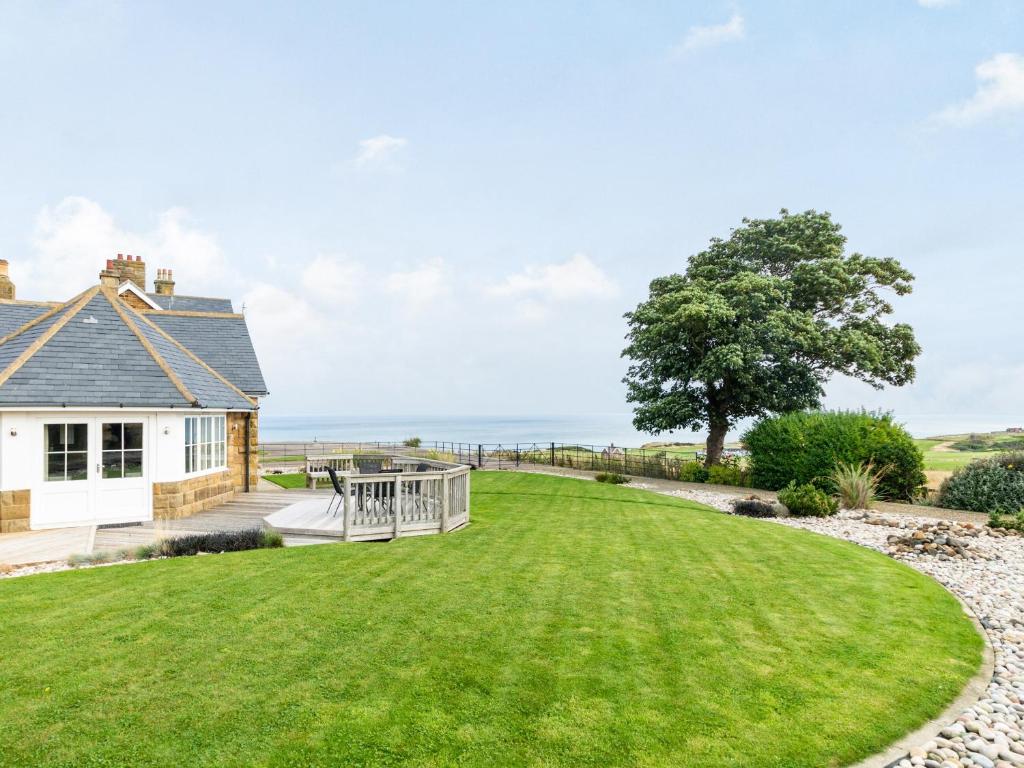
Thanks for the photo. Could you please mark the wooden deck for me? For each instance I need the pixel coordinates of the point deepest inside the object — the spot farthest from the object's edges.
(244, 511)
(309, 517)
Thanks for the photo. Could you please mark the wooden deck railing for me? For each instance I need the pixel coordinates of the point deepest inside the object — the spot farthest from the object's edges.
(407, 496)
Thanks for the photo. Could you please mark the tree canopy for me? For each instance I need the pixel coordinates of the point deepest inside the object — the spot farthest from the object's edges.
(759, 323)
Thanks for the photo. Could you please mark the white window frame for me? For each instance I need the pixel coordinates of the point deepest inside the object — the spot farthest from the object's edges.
(206, 447)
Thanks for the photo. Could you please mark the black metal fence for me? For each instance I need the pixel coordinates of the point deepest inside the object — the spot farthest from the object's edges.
(670, 462)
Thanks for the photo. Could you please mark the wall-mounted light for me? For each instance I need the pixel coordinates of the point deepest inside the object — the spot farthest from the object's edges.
(14, 431)
(167, 430)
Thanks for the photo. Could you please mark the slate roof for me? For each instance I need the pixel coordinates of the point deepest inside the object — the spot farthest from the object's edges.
(97, 351)
(222, 342)
(13, 315)
(191, 303)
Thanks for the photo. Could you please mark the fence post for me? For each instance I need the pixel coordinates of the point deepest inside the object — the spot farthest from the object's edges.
(446, 481)
(397, 502)
(552, 454)
(346, 487)
(479, 456)
(517, 455)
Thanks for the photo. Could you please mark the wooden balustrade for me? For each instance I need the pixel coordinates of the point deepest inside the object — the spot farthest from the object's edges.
(390, 496)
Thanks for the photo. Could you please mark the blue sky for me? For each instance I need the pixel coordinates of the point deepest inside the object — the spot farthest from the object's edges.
(447, 207)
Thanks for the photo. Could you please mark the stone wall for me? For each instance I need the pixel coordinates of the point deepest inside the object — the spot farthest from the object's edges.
(15, 507)
(189, 497)
(236, 450)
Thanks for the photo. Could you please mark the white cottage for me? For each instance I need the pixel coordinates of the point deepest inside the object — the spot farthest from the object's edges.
(121, 405)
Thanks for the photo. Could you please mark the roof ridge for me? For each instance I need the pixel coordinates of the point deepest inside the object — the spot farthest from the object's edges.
(190, 313)
(83, 298)
(188, 352)
(110, 294)
(43, 317)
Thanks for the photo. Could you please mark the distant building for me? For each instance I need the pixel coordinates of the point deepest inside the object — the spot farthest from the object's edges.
(1015, 430)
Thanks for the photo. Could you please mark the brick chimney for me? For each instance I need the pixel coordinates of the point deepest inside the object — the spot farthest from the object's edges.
(6, 286)
(131, 268)
(164, 283)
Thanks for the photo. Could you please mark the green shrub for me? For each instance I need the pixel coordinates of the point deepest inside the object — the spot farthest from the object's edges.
(753, 507)
(988, 485)
(1001, 520)
(974, 443)
(612, 478)
(856, 484)
(806, 446)
(412, 442)
(807, 501)
(693, 472)
(727, 474)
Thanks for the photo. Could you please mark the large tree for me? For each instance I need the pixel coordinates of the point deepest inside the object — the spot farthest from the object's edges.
(759, 323)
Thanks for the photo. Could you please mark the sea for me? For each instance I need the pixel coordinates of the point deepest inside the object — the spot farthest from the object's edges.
(582, 429)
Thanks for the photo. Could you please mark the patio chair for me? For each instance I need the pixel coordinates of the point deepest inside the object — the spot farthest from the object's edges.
(369, 466)
(339, 490)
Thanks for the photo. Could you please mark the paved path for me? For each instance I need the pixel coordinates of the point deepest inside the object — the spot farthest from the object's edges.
(667, 486)
(43, 546)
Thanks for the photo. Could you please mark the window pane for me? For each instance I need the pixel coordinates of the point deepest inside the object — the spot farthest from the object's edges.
(112, 466)
(207, 459)
(195, 458)
(55, 438)
(189, 433)
(220, 427)
(188, 459)
(205, 427)
(220, 454)
(133, 437)
(55, 466)
(133, 463)
(112, 437)
(78, 466)
(78, 437)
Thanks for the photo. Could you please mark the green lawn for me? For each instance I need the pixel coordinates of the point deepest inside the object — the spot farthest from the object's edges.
(949, 460)
(288, 480)
(570, 624)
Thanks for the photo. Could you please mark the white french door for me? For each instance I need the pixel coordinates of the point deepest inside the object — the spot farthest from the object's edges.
(95, 471)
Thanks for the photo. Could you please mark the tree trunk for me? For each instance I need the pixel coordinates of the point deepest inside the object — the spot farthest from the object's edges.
(716, 443)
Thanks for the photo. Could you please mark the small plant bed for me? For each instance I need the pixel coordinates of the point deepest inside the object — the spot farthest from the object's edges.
(612, 478)
(574, 623)
(183, 546)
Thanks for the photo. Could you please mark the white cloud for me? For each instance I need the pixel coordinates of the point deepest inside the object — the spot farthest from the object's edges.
(712, 35)
(379, 151)
(73, 239)
(577, 278)
(333, 279)
(1000, 91)
(937, 3)
(418, 288)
